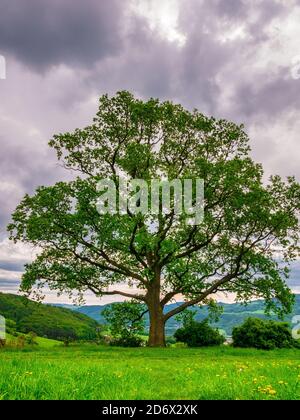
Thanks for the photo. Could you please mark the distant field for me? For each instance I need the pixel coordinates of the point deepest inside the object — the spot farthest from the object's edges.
(91, 372)
(41, 341)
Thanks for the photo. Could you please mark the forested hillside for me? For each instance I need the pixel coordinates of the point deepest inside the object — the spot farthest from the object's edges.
(45, 320)
(234, 314)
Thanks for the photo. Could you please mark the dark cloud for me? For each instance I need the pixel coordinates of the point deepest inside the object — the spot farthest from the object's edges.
(270, 97)
(50, 32)
(12, 265)
(223, 41)
(11, 284)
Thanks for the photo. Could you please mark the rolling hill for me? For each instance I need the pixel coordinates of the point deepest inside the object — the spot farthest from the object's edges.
(45, 320)
(234, 314)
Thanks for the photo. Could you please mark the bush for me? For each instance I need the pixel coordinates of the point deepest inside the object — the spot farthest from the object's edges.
(21, 340)
(199, 334)
(129, 341)
(170, 340)
(261, 334)
(31, 339)
(126, 323)
(67, 341)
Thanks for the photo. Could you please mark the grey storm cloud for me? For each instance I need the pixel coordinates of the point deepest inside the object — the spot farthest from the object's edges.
(12, 266)
(11, 284)
(276, 95)
(49, 32)
(206, 57)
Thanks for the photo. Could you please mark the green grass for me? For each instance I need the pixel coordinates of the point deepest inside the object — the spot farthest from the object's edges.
(91, 372)
(47, 343)
(41, 341)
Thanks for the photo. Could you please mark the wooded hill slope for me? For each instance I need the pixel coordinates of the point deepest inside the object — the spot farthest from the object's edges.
(45, 320)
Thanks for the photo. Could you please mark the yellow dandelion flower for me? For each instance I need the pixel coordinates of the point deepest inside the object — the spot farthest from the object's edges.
(272, 392)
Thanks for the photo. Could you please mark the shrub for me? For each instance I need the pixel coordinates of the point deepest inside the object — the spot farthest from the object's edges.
(170, 340)
(31, 338)
(126, 323)
(67, 341)
(199, 334)
(261, 334)
(129, 341)
(21, 341)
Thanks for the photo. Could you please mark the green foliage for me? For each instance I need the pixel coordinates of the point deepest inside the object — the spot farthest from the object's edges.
(21, 341)
(215, 310)
(186, 317)
(170, 340)
(101, 334)
(199, 334)
(11, 326)
(234, 249)
(67, 341)
(128, 340)
(126, 322)
(45, 320)
(31, 338)
(261, 334)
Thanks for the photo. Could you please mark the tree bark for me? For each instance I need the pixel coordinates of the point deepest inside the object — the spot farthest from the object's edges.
(157, 328)
(156, 315)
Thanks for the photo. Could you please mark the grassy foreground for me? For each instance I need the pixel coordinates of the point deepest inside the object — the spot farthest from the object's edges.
(92, 372)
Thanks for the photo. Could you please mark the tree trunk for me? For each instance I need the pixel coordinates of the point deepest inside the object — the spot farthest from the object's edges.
(157, 321)
(157, 328)
(156, 313)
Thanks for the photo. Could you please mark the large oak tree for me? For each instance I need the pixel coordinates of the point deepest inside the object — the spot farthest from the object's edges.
(249, 234)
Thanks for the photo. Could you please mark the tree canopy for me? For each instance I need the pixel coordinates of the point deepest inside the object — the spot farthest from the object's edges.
(243, 246)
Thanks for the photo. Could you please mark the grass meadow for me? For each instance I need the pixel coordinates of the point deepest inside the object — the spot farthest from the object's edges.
(87, 372)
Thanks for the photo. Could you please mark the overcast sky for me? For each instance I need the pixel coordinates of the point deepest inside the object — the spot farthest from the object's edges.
(234, 59)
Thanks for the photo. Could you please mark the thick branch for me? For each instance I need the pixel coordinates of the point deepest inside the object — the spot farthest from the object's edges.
(192, 302)
(125, 294)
